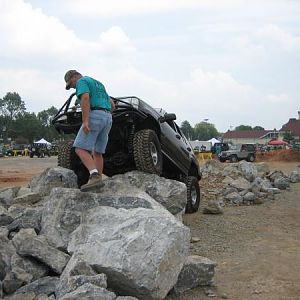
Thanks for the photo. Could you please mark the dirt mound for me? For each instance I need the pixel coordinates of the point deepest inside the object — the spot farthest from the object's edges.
(279, 155)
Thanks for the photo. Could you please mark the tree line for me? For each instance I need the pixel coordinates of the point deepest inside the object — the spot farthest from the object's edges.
(19, 124)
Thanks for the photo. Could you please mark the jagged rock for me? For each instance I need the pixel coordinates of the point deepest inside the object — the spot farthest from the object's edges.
(234, 198)
(248, 170)
(29, 265)
(7, 195)
(169, 193)
(45, 285)
(260, 185)
(6, 251)
(241, 184)
(249, 197)
(15, 279)
(74, 282)
(140, 250)
(89, 291)
(295, 176)
(211, 167)
(29, 198)
(275, 174)
(3, 232)
(29, 217)
(213, 208)
(53, 177)
(196, 271)
(281, 183)
(25, 296)
(231, 170)
(229, 190)
(61, 214)
(5, 216)
(36, 247)
(23, 191)
(262, 169)
(243, 193)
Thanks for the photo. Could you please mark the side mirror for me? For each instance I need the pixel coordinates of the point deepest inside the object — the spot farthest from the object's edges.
(167, 117)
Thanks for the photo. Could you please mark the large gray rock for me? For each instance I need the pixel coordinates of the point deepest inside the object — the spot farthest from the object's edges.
(249, 197)
(248, 170)
(295, 176)
(29, 217)
(6, 251)
(275, 174)
(241, 184)
(140, 250)
(211, 167)
(196, 271)
(171, 194)
(7, 195)
(36, 247)
(53, 177)
(62, 213)
(42, 286)
(5, 216)
(89, 291)
(261, 185)
(232, 170)
(31, 266)
(281, 183)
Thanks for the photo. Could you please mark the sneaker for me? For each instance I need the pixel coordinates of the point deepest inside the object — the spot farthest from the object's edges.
(94, 181)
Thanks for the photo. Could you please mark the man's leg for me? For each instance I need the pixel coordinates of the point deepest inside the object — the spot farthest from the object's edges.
(98, 159)
(86, 158)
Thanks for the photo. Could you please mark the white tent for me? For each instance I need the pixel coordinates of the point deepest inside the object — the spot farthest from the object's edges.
(42, 141)
(213, 141)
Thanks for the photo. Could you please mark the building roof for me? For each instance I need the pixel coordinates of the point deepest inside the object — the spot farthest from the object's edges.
(245, 134)
(293, 125)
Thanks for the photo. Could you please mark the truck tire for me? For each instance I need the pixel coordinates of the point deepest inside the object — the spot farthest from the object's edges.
(251, 158)
(147, 152)
(67, 158)
(222, 159)
(193, 194)
(233, 159)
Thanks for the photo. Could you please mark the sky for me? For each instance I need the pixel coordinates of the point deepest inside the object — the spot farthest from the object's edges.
(229, 61)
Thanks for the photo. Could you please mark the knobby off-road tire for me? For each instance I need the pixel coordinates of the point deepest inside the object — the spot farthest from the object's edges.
(147, 152)
(251, 158)
(67, 158)
(193, 194)
(233, 159)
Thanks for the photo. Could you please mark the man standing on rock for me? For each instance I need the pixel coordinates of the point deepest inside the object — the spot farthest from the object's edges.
(92, 138)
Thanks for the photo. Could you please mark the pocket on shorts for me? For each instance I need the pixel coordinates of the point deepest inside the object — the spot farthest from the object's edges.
(95, 124)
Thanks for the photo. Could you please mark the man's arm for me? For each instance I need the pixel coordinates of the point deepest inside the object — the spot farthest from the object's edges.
(113, 105)
(85, 108)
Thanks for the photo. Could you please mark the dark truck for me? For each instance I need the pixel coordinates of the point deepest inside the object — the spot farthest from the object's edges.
(142, 138)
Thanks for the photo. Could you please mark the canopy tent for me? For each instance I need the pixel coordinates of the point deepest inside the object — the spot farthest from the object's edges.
(277, 143)
(213, 141)
(42, 141)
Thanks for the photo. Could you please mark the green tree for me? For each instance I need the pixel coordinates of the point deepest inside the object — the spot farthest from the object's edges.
(187, 130)
(45, 116)
(258, 128)
(288, 137)
(243, 128)
(205, 131)
(12, 105)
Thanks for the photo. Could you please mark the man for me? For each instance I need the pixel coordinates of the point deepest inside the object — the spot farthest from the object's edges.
(92, 138)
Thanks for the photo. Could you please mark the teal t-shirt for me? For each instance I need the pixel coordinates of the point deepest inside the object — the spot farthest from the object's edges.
(96, 91)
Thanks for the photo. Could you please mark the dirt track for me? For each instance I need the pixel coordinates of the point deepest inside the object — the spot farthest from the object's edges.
(257, 248)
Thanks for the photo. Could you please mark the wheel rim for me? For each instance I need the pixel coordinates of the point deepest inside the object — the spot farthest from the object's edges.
(154, 153)
(194, 195)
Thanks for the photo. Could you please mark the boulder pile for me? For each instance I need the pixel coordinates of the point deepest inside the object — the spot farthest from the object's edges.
(123, 242)
(242, 183)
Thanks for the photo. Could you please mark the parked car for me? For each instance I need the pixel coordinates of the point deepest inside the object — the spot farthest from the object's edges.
(39, 150)
(238, 152)
(142, 138)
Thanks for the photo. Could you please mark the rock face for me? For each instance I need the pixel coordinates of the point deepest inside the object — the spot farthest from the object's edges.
(53, 177)
(169, 193)
(248, 170)
(197, 271)
(62, 213)
(141, 250)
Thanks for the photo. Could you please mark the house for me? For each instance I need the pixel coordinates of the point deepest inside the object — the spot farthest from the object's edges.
(251, 136)
(293, 127)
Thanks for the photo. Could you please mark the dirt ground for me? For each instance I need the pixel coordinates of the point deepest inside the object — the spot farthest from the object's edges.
(257, 248)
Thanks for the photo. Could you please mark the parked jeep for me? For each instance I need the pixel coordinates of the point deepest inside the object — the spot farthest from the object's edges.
(39, 150)
(238, 152)
(142, 138)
